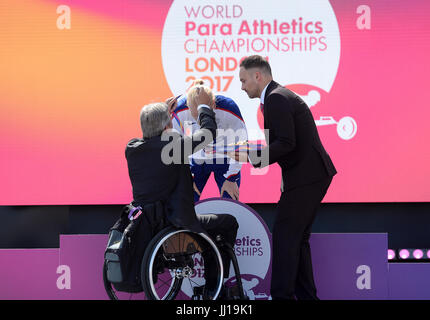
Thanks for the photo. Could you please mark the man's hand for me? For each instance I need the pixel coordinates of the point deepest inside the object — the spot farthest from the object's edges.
(172, 103)
(201, 97)
(231, 188)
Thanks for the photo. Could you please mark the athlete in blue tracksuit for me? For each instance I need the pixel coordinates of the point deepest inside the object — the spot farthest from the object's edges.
(231, 129)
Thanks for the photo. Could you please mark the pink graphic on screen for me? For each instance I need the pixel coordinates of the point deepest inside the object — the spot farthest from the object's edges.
(70, 101)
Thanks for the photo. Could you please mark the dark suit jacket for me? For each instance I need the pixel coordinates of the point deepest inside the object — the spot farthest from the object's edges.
(154, 180)
(293, 141)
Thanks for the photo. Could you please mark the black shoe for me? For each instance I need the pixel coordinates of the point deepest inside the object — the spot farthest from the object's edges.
(203, 293)
(198, 293)
(231, 293)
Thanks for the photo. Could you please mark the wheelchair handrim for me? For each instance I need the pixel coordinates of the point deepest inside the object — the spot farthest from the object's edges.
(157, 247)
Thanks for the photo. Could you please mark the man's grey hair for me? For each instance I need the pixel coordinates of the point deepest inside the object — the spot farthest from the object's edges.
(154, 118)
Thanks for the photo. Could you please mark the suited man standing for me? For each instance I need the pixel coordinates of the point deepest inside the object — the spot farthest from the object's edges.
(307, 171)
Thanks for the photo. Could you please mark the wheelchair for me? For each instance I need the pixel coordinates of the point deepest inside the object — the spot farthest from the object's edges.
(183, 265)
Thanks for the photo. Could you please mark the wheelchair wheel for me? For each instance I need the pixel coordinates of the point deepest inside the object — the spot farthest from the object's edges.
(114, 294)
(182, 265)
(108, 286)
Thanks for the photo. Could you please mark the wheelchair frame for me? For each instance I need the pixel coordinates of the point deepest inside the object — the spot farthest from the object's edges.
(149, 261)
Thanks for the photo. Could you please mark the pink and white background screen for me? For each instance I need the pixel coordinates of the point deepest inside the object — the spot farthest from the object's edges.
(74, 75)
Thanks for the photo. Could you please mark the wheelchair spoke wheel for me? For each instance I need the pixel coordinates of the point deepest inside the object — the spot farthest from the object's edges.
(182, 265)
(115, 294)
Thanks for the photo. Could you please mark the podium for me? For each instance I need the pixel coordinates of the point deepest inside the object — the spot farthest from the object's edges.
(347, 266)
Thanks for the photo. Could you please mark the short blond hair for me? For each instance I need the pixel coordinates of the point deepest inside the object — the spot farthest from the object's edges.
(198, 82)
(194, 91)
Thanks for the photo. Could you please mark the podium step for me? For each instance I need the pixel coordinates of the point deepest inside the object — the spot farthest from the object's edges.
(409, 281)
(350, 266)
(346, 267)
(84, 256)
(28, 274)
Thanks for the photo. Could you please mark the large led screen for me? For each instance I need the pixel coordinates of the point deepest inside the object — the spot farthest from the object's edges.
(74, 75)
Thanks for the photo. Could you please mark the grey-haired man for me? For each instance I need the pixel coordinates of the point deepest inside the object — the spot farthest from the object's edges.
(155, 177)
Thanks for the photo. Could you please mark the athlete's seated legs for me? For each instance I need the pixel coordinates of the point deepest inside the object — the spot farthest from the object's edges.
(226, 226)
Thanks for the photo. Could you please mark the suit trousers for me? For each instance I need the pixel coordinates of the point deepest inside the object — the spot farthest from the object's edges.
(292, 273)
(226, 226)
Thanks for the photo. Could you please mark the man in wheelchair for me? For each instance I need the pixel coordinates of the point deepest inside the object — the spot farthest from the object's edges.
(159, 171)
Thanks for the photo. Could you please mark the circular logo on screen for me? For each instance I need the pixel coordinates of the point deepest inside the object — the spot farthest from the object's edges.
(208, 39)
(252, 246)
